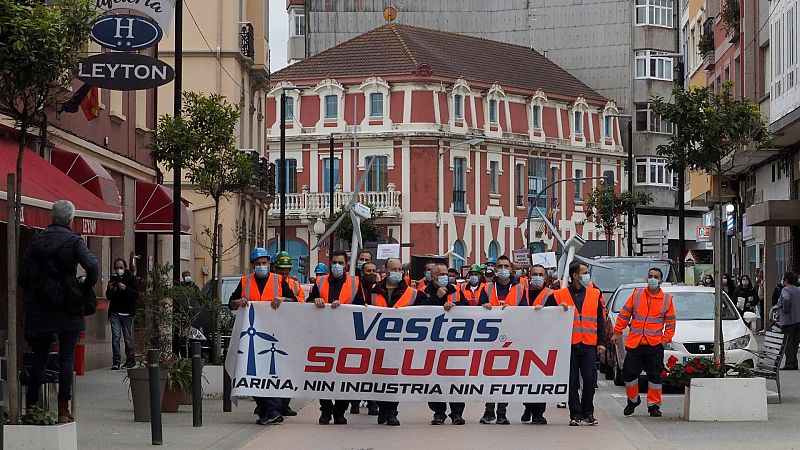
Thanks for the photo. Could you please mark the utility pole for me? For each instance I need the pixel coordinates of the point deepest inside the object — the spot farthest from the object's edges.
(176, 180)
(282, 173)
(332, 186)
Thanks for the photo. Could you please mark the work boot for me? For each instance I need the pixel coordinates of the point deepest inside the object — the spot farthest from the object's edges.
(64, 415)
(502, 419)
(488, 417)
(526, 416)
(392, 421)
(654, 411)
(631, 406)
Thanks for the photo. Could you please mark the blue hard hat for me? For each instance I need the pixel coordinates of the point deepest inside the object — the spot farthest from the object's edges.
(321, 268)
(491, 261)
(258, 252)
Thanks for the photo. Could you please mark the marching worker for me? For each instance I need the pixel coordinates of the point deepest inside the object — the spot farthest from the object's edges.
(537, 296)
(472, 288)
(521, 275)
(369, 278)
(263, 286)
(336, 289)
(440, 292)
(364, 256)
(283, 266)
(320, 270)
(651, 315)
(393, 292)
(421, 285)
(504, 291)
(588, 337)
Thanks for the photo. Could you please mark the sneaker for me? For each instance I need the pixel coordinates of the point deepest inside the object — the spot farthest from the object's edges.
(269, 420)
(539, 420)
(561, 405)
(129, 364)
(325, 419)
(590, 420)
(574, 422)
(115, 366)
(488, 417)
(526, 416)
(457, 419)
(631, 406)
(339, 420)
(382, 417)
(392, 421)
(288, 412)
(654, 411)
(438, 419)
(502, 419)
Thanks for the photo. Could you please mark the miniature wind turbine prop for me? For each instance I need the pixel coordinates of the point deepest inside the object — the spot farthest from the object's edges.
(357, 212)
(452, 253)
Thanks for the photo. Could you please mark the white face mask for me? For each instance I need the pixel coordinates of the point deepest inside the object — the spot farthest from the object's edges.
(188, 279)
(120, 272)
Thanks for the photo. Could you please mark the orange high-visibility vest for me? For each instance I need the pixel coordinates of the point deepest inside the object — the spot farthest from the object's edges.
(473, 297)
(299, 293)
(514, 297)
(349, 289)
(652, 319)
(541, 299)
(584, 325)
(271, 290)
(408, 298)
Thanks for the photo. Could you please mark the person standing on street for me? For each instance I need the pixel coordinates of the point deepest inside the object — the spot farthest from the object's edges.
(651, 315)
(588, 337)
(364, 256)
(55, 301)
(472, 288)
(537, 296)
(320, 270)
(789, 318)
(283, 267)
(369, 278)
(122, 295)
(263, 286)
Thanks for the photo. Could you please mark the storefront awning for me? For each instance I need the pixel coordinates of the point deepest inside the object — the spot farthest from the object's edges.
(89, 173)
(43, 184)
(774, 213)
(154, 209)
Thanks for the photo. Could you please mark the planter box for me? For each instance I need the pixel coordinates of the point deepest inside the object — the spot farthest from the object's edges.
(726, 400)
(212, 382)
(61, 437)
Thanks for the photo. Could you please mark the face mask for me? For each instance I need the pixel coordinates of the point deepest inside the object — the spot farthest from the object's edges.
(537, 281)
(360, 264)
(518, 273)
(370, 278)
(652, 283)
(586, 279)
(337, 270)
(395, 277)
(261, 271)
(504, 274)
(428, 275)
(473, 280)
(442, 280)
(120, 272)
(745, 283)
(188, 279)
(451, 280)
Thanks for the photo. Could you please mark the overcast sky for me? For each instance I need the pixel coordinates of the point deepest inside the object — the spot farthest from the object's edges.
(278, 34)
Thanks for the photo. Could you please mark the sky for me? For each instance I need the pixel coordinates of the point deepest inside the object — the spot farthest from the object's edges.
(278, 34)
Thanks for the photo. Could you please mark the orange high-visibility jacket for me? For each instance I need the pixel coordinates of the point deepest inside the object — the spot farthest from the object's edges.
(297, 289)
(651, 317)
(271, 290)
(516, 294)
(349, 289)
(584, 325)
(472, 297)
(408, 298)
(541, 299)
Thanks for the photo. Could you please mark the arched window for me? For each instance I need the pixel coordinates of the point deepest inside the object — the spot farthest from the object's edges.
(458, 249)
(494, 250)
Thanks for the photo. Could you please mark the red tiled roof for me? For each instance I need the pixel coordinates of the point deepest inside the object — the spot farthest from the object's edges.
(396, 50)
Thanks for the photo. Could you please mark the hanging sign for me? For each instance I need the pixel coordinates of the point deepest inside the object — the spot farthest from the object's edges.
(126, 32)
(124, 71)
(159, 10)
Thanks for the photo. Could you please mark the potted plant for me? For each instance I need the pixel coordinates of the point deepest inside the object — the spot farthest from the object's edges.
(40, 429)
(710, 395)
(177, 385)
(705, 45)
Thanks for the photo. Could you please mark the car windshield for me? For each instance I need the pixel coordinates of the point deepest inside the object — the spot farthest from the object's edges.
(626, 271)
(688, 305)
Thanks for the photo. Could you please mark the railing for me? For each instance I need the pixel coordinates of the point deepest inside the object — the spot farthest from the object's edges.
(247, 40)
(459, 201)
(264, 179)
(307, 204)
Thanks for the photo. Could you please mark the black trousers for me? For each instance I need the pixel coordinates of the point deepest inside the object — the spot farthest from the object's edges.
(334, 407)
(269, 407)
(644, 357)
(537, 409)
(66, 361)
(388, 407)
(440, 408)
(792, 333)
(501, 407)
(583, 366)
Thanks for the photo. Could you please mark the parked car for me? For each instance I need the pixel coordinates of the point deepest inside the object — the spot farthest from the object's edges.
(630, 269)
(229, 284)
(694, 330)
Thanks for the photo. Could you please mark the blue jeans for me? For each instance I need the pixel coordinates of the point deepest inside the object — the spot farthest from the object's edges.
(583, 366)
(125, 323)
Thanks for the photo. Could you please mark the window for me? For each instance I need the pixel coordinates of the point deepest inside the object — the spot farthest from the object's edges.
(458, 249)
(578, 122)
(519, 183)
(537, 181)
(289, 109)
(326, 174)
(653, 64)
(607, 126)
(459, 176)
(578, 185)
(654, 12)
(298, 24)
(653, 172)
(378, 177)
(554, 187)
(331, 107)
(494, 250)
(376, 104)
(493, 111)
(493, 177)
(291, 175)
(458, 106)
(537, 117)
(648, 121)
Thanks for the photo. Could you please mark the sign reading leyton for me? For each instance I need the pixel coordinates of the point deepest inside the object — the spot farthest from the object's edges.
(124, 71)
(419, 353)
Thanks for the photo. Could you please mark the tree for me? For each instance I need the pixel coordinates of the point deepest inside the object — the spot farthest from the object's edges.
(203, 142)
(713, 128)
(607, 206)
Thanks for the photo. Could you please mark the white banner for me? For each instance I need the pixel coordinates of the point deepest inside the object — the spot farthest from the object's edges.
(158, 10)
(419, 353)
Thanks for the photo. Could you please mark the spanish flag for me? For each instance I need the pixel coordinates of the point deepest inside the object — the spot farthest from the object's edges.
(91, 104)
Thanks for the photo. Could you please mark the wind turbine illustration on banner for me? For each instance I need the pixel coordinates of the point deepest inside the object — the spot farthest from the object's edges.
(357, 212)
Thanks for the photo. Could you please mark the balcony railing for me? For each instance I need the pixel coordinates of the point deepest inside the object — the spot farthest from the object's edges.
(307, 204)
(247, 40)
(459, 201)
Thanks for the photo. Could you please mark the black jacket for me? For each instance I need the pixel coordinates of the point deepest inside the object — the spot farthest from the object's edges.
(122, 301)
(746, 293)
(434, 299)
(397, 293)
(52, 256)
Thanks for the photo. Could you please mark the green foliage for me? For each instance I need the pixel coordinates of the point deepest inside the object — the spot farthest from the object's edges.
(180, 375)
(369, 229)
(730, 16)
(37, 416)
(606, 206)
(705, 45)
(154, 314)
(682, 374)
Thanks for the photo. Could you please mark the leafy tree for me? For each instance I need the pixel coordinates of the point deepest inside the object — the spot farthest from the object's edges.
(369, 229)
(713, 129)
(607, 207)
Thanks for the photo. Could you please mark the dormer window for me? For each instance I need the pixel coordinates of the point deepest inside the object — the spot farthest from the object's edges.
(493, 110)
(458, 106)
(578, 122)
(536, 115)
(376, 104)
(331, 107)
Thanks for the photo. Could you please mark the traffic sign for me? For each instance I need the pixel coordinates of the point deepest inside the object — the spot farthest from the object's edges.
(126, 32)
(703, 234)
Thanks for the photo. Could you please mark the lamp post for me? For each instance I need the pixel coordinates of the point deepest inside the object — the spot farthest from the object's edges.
(332, 188)
(282, 167)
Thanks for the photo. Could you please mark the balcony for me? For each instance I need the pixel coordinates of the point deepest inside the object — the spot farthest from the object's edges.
(263, 185)
(707, 45)
(247, 41)
(308, 205)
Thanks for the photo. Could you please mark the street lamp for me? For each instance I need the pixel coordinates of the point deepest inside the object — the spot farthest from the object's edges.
(282, 166)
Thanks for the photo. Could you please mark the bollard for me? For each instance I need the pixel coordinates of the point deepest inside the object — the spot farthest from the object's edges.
(226, 387)
(80, 355)
(155, 397)
(197, 386)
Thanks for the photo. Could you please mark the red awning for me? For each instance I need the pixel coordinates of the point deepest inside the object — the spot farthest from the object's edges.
(89, 173)
(154, 209)
(43, 184)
